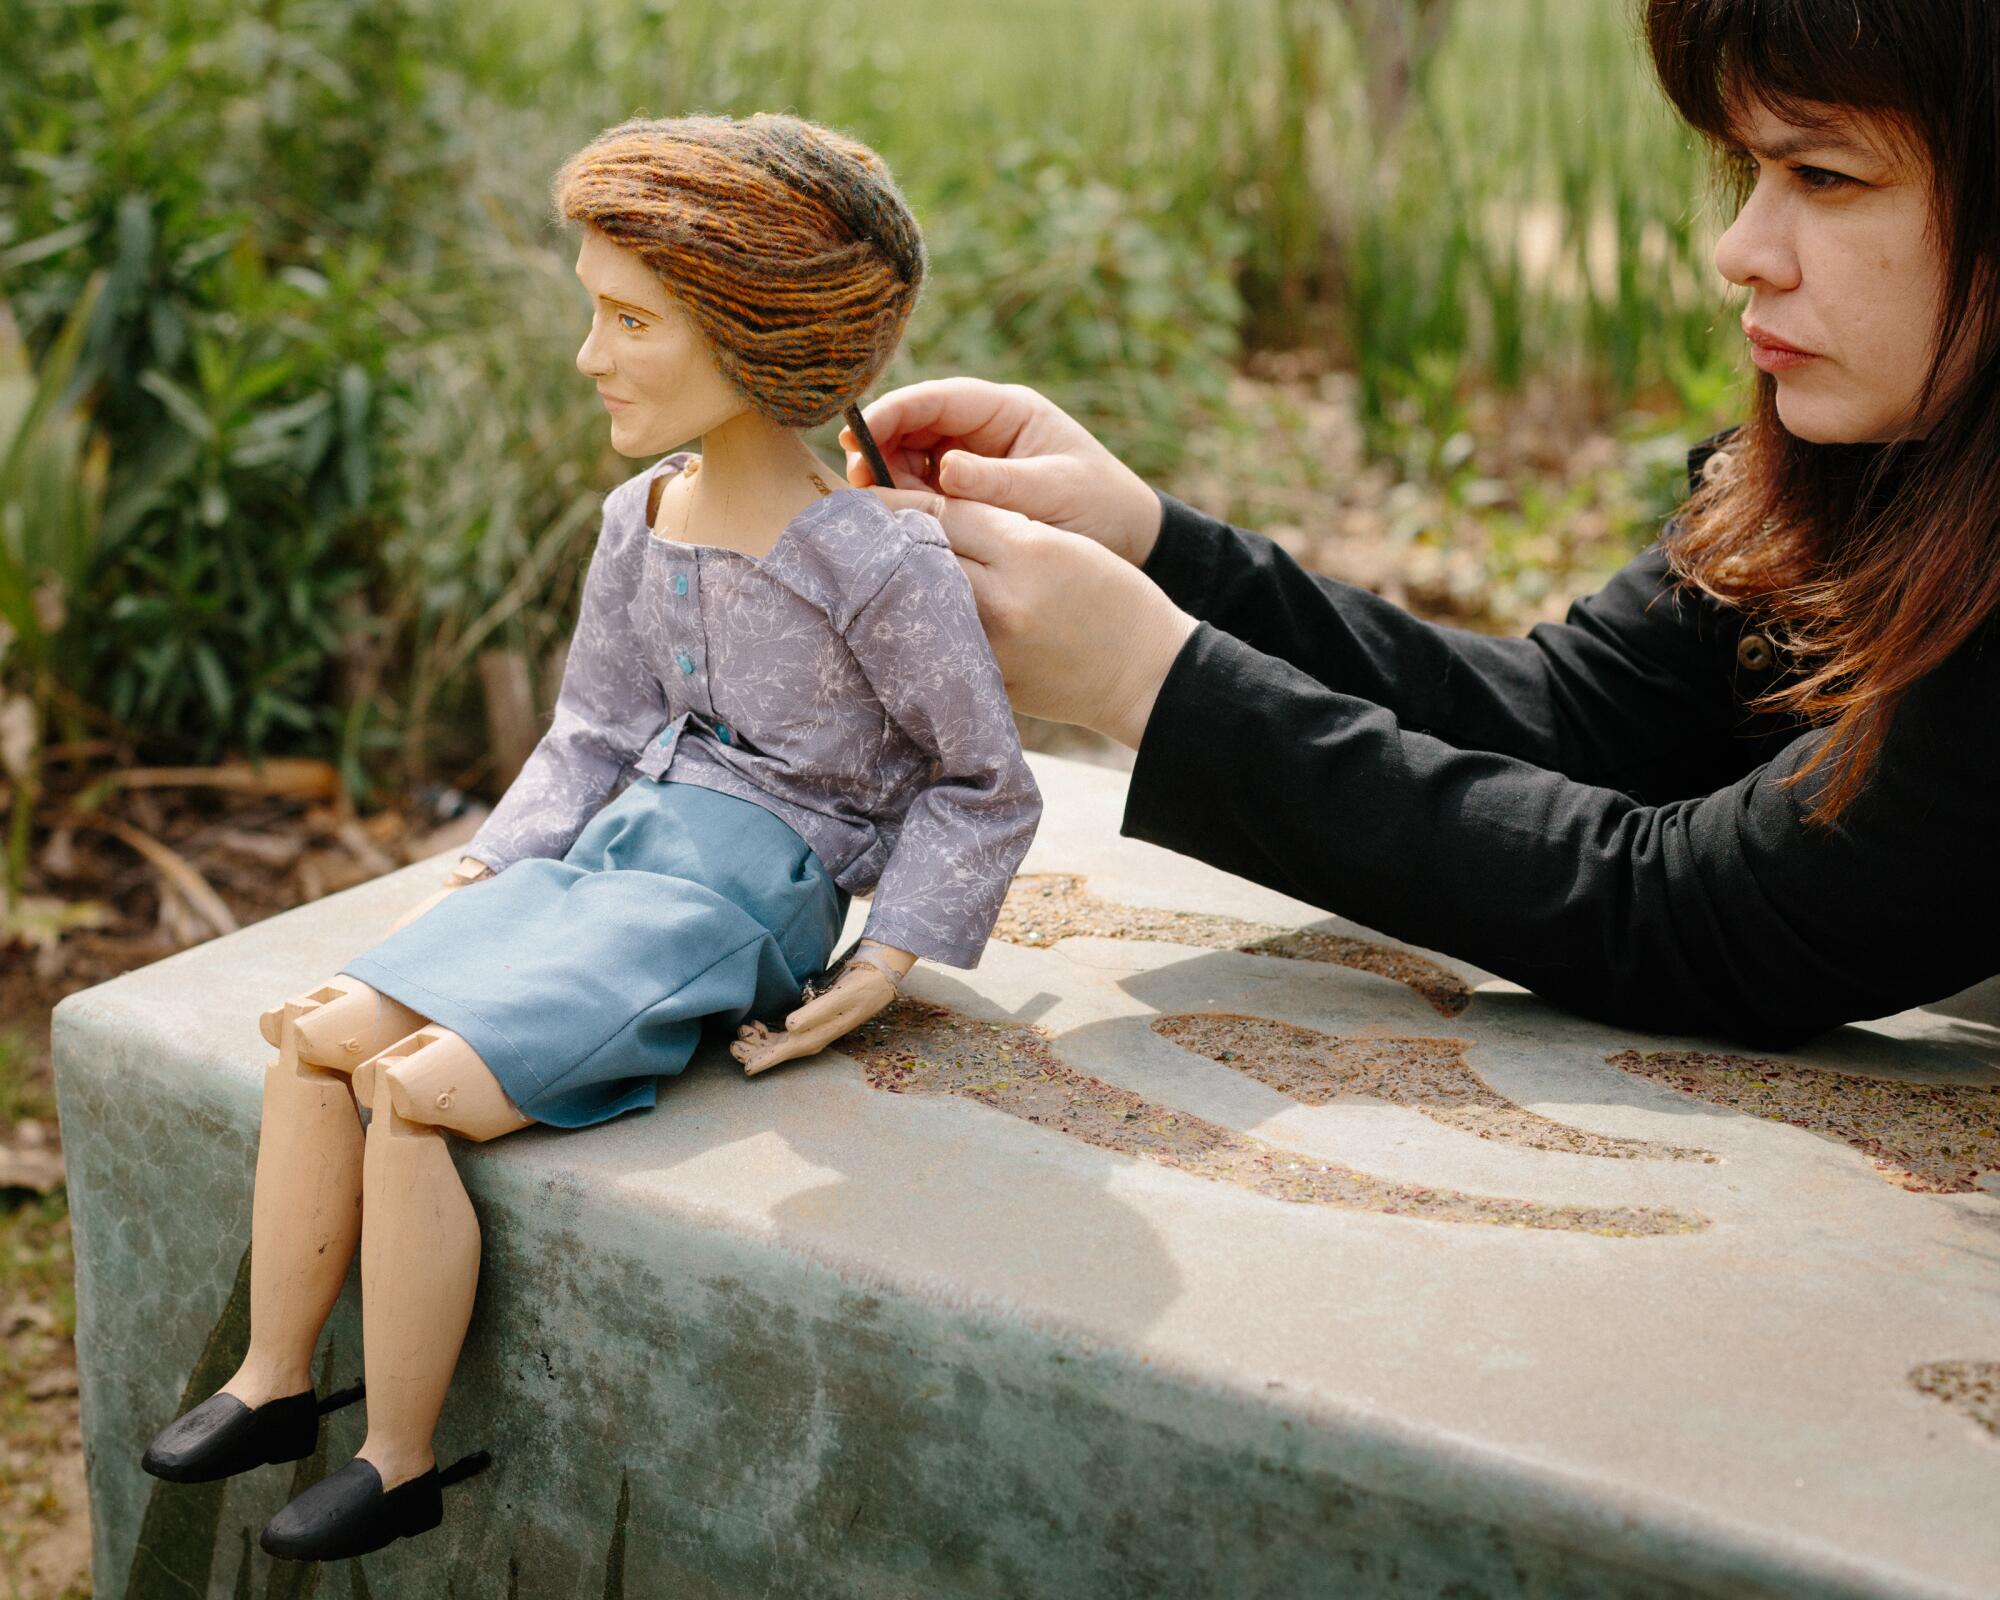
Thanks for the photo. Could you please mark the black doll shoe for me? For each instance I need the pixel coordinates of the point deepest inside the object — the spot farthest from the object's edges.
(349, 1513)
(222, 1436)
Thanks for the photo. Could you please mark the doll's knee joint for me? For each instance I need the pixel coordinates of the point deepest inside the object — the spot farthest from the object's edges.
(339, 1024)
(415, 1092)
(409, 1097)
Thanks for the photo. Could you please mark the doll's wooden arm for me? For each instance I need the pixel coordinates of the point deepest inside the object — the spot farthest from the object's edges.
(470, 869)
(863, 988)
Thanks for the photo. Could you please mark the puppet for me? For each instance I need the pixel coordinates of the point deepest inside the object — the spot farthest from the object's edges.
(790, 683)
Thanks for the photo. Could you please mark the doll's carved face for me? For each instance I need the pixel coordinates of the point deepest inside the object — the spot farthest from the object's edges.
(650, 362)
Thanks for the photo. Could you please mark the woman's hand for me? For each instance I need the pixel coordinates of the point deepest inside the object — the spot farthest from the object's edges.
(859, 992)
(1009, 447)
(1080, 635)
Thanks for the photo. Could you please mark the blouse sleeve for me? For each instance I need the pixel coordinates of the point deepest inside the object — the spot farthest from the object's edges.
(610, 703)
(919, 643)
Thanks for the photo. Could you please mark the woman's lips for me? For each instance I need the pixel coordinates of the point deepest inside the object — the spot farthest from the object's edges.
(612, 402)
(1774, 355)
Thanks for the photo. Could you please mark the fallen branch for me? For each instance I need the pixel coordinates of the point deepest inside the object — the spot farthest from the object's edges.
(294, 777)
(171, 865)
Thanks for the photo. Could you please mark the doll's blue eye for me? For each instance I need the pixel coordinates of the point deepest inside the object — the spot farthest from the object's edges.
(630, 321)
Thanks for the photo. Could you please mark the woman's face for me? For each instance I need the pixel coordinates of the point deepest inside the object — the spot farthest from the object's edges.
(1834, 246)
(650, 362)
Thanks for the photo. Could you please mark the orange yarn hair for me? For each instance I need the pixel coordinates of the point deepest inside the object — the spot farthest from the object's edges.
(788, 244)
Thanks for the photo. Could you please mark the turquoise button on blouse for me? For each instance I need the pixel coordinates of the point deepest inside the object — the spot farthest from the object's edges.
(680, 583)
(685, 661)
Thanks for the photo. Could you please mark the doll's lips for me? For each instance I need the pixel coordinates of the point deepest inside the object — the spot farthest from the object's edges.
(612, 402)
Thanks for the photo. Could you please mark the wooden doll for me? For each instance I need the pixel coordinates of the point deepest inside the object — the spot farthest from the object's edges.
(790, 682)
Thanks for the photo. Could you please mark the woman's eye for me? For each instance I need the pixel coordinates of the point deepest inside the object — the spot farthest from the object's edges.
(1820, 178)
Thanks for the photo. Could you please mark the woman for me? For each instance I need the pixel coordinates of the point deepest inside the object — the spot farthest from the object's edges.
(1748, 788)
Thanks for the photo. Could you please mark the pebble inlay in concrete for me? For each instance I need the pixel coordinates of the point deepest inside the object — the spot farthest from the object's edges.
(1972, 1387)
(915, 1048)
(1431, 1076)
(1931, 1138)
(1043, 908)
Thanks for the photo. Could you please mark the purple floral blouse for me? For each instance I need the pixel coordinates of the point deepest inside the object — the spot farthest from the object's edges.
(842, 681)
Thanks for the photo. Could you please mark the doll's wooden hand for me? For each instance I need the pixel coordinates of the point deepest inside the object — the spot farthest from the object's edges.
(417, 911)
(859, 992)
(469, 870)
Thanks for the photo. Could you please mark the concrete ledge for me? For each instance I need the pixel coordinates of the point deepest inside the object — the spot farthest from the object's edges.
(1134, 1308)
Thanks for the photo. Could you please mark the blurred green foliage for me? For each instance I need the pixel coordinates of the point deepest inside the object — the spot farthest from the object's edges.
(331, 355)
(220, 173)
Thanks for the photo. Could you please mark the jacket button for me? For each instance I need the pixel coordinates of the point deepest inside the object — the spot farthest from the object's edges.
(680, 583)
(685, 662)
(1754, 653)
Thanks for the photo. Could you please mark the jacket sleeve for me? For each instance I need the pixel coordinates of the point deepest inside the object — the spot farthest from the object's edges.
(919, 643)
(1725, 912)
(610, 703)
(1633, 691)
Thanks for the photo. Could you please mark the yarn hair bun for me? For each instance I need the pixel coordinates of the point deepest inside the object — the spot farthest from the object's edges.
(788, 244)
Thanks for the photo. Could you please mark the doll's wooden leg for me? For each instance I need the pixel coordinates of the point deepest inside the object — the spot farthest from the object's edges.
(420, 1238)
(342, 1023)
(306, 1207)
(305, 1222)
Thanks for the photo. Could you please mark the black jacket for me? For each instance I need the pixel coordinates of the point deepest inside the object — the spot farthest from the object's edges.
(1587, 811)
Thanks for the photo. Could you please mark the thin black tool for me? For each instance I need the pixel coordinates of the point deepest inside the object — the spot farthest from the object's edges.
(876, 464)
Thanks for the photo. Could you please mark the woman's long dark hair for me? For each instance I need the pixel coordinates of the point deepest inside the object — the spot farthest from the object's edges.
(1870, 590)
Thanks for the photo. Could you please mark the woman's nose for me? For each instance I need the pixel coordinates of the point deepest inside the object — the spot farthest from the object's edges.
(1757, 247)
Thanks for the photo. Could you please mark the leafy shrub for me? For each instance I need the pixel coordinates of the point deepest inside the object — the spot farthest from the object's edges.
(223, 176)
(1091, 290)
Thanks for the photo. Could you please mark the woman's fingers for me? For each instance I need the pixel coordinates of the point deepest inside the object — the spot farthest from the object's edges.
(1010, 447)
(979, 416)
(914, 426)
(1043, 488)
(976, 580)
(910, 468)
(980, 532)
(1079, 634)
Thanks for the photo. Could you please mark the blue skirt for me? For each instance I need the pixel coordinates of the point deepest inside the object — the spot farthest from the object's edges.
(581, 981)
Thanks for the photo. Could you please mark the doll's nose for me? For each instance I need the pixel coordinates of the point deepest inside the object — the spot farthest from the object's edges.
(589, 361)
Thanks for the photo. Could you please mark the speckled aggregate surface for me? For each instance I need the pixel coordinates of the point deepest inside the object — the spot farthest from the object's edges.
(1971, 1388)
(913, 1048)
(1428, 1075)
(1044, 908)
(1930, 1138)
